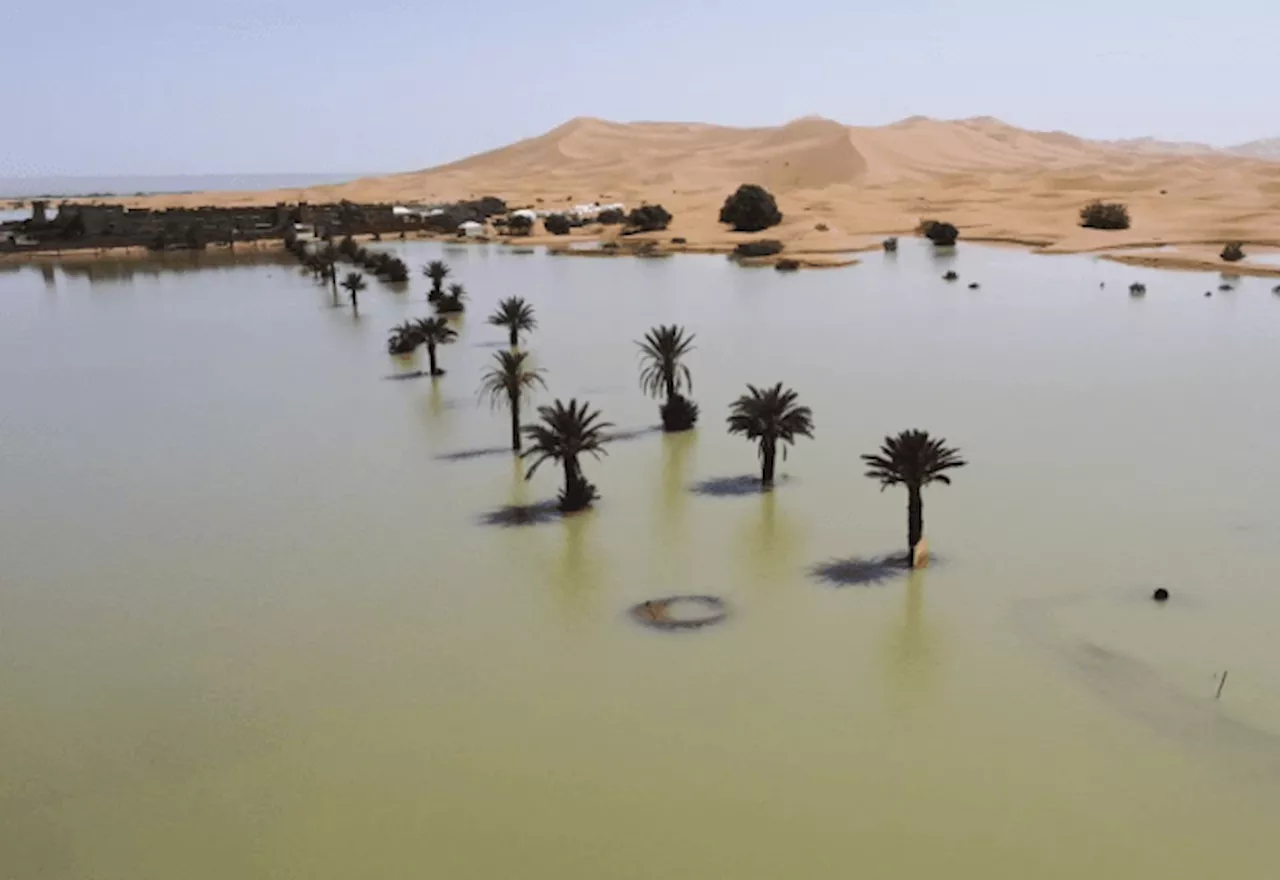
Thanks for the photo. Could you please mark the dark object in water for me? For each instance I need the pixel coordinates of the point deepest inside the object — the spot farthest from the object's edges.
(680, 612)
(973, 286)
(890, 245)
(1137, 288)
(951, 276)
(1160, 595)
(1224, 286)
(1208, 293)
(787, 265)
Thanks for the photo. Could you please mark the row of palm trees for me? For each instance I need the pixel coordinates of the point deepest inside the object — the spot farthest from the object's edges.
(771, 417)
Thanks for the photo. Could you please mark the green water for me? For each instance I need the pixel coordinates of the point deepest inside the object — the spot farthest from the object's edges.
(251, 625)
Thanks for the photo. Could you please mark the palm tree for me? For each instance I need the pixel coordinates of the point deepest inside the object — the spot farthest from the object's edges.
(913, 459)
(431, 333)
(354, 283)
(664, 373)
(437, 271)
(516, 315)
(506, 385)
(451, 302)
(768, 416)
(564, 434)
(403, 339)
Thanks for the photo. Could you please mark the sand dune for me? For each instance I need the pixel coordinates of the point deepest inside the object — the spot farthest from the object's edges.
(991, 179)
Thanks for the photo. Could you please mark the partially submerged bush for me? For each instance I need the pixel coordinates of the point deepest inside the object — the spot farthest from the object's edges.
(557, 224)
(1137, 288)
(750, 209)
(940, 233)
(764, 247)
(679, 413)
(890, 244)
(1104, 215)
(1233, 252)
(648, 218)
(787, 265)
(611, 217)
(951, 275)
(678, 240)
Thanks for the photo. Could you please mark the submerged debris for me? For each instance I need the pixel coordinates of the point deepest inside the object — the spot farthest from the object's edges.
(951, 276)
(1137, 288)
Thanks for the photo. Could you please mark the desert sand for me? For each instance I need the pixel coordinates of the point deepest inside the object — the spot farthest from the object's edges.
(996, 182)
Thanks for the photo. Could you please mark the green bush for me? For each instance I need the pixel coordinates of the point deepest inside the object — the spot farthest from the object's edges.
(750, 209)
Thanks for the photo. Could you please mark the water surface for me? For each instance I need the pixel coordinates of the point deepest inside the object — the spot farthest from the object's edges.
(253, 622)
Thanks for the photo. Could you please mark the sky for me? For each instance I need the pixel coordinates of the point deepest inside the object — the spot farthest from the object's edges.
(136, 87)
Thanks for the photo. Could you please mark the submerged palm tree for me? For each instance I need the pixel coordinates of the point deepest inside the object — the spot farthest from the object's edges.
(516, 315)
(433, 332)
(564, 434)
(329, 261)
(451, 302)
(913, 459)
(664, 374)
(437, 271)
(507, 383)
(354, 283)
(770, 416)
(404, 338)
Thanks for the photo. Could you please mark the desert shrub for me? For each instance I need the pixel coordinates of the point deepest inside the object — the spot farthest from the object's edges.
(750, 209)
(890, 244)
(821, 227)
(519, 224)
(557, 224)
(940, 233)
(648, 218)
(678, 240)
(764, 247)
(609, 246)
(787, 265)
(1233, 252)
(611, 217)
(1104, 215)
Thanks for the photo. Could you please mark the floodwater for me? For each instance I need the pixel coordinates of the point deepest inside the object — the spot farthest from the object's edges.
(253, 623)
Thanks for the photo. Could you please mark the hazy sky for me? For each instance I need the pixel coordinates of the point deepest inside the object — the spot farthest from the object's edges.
(224, 86)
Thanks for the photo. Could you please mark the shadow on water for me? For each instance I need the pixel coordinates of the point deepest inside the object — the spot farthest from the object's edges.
(516, 515)
(633, 434)
(735, 487)
(860, 571)
(489, 345)
(477, 452)
(415, 374)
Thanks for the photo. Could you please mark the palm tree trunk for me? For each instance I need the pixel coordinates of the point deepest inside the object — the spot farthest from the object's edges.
(515, 337)
(333, 280)
(915, 521)
(355, 303)
(431, 359)
(514, 403)
(671, 386)
(769, 457)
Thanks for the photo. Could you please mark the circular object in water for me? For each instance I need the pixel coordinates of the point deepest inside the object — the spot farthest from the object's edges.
(680, 612)
(1160, 595)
